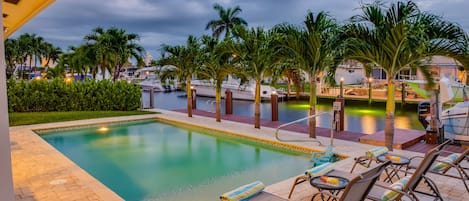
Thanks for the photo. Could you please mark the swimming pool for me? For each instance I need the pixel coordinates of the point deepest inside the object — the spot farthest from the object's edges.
(151, 160)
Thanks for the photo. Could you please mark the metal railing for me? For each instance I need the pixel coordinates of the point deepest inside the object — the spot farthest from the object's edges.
(211, 105)
(302, 119)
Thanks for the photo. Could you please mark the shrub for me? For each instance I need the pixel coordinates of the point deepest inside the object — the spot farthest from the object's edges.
(57, 95)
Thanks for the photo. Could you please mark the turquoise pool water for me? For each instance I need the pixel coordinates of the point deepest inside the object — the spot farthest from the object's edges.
(151, 160)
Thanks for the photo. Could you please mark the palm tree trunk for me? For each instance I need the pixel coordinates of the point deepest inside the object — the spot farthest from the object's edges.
(217, 102)
(189, 96)
(257, 105)
(288, 87)
(312, 107)
(390, 108)
(30, 66)
(103, 71)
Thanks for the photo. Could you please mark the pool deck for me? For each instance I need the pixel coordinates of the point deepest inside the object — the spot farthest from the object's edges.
(40, 172)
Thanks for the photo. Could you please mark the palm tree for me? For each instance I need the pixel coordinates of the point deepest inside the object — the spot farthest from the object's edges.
(50, 53)
(114, 47)
(12, 55)
(26, 49)
(227, 21)
(398, 36)
(256, 53)
(124, 47)
(216, 66)
(313, 50)
(185, 61)
(103, 49)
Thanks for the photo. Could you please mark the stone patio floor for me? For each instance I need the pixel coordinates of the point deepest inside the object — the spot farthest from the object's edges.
(40, 172)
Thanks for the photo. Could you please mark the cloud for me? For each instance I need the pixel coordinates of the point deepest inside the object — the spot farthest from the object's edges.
(66, 22)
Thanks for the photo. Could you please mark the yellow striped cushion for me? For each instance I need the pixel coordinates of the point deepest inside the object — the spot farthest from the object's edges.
(444, 164)
(243, 193)
(377, 151)
(398, 185)
(320, 170)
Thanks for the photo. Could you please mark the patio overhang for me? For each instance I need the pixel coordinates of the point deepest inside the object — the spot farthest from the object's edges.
(17, 12)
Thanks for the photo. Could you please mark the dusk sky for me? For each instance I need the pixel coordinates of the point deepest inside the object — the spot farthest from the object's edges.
(157, 22)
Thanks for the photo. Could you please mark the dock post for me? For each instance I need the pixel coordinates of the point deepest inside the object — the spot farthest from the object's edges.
(228, 102)
(152, 98)
(274, 104)
(341, 114)
(194, 98)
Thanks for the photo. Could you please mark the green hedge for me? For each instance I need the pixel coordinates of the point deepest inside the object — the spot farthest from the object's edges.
(58, 95)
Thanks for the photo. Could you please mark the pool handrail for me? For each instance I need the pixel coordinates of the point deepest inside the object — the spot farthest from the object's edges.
(209, 104)
(302, 119)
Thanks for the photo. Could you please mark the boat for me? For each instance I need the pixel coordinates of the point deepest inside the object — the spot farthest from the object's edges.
(418, 86)
(455, 118)
(239, 91)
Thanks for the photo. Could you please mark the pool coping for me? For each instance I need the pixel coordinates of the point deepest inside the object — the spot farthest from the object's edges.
(36, 163)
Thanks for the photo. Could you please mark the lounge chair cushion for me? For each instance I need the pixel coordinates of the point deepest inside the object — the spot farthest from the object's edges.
(377, 151)
(445, 162)
(243, 193)
(319, 170)
(398, 185)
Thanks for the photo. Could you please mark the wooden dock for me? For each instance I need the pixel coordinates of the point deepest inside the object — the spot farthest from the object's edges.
(411, 140)
(403, 138)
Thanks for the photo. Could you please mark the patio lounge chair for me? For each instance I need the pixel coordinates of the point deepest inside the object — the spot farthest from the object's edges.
(443, 166)
(359, 187)
(407, 185)
(372, 155)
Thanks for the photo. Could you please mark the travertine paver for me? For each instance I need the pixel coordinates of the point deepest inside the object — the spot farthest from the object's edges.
(40, 172)
(36, 164)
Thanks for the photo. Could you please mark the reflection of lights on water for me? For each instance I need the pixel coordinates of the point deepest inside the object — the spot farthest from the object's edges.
(103, 129)
(368, 124)
(402, 122)
(298, 106)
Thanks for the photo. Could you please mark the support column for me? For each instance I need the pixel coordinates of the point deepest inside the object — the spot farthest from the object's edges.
(228, 102)
(152, 98)
(6, 178)
(274, 104)
(194, 98)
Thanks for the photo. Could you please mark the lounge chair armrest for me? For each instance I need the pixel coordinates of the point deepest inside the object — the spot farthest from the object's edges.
(415, 157)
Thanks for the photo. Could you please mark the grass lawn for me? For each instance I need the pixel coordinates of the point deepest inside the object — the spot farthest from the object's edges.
(26, 118)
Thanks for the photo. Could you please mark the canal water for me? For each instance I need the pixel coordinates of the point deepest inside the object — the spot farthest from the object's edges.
(359, 116)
